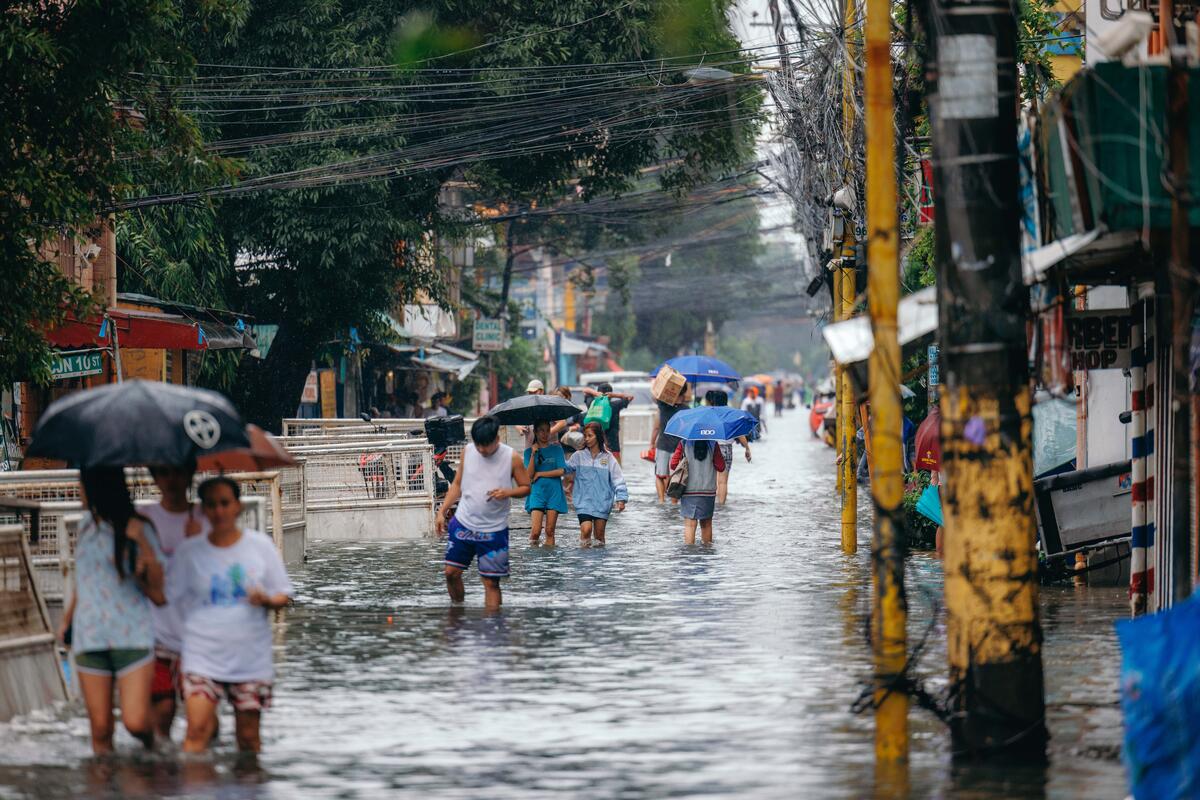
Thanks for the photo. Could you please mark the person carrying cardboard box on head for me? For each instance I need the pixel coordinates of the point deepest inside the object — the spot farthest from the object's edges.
(672, 394)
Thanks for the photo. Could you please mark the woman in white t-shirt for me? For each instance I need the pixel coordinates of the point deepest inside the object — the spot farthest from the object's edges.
(225, 584)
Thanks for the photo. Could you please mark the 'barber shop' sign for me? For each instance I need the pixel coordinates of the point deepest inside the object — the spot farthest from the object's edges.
(1099, 339)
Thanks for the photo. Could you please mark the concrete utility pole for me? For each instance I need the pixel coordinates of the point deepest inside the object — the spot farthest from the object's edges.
(1181, 302)
(845, 285)
(889, 616)
(994, 637)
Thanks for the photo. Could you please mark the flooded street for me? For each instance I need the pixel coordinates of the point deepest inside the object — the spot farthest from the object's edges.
(642, 669)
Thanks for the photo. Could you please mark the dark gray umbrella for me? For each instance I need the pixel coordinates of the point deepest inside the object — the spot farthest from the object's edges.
(531, 408)
(138, 422)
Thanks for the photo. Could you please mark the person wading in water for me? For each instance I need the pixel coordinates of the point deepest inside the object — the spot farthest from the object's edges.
(596, 483)
(108, 622)
(483, 489)
(546, 464)
(704, 461)
(224, 585)
(175, 518)
(664, 443)
(716, 397)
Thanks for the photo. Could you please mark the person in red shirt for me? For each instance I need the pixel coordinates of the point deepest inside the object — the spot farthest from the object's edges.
(700, 497)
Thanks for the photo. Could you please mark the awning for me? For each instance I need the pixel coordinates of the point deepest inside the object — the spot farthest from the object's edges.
(444, 358)
(423, 322)
(140, 329)
(572, 346)
(223, 330)
(851, 341)
(1034, 264)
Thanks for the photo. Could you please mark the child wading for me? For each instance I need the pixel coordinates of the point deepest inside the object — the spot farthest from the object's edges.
(108, 623)
(175, 518)
(699, 499)
(225, 584)
(545, 463)
(597, 483)
(483, 489)
(716, 397)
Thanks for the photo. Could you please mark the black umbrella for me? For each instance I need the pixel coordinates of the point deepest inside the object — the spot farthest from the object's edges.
(532, 408)
(137, 422)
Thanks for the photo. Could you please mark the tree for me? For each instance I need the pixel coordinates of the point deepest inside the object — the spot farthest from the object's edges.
(341, 159)
(70, 150)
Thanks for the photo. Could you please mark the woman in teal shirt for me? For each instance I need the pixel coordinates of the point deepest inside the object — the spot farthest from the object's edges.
(546, 463)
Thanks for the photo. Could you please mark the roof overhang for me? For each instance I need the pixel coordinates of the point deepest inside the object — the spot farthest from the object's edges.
(137, 329)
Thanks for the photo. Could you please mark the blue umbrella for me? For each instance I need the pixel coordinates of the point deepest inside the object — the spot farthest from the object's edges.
(711, 423)
(702, 368)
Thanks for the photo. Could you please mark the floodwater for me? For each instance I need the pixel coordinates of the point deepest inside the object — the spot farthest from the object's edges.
(644, 669)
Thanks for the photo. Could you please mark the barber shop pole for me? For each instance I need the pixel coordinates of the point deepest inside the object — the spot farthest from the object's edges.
(1141, 447)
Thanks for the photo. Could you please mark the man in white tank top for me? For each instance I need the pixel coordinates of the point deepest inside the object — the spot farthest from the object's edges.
(483, 489)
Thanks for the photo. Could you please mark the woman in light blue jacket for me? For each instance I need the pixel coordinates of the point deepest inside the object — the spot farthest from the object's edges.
(595, 479)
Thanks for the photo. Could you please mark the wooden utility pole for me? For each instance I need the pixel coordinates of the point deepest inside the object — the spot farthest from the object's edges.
(889, 616)
(994, 637)
(1180, 307)
(846, 284)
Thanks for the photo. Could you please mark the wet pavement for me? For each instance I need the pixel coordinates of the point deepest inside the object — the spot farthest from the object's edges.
(644, 669)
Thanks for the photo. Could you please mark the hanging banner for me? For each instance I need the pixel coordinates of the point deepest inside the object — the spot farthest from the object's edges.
(1099, 339)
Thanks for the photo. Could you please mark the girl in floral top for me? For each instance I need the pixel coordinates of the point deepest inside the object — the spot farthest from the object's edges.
(118, 574)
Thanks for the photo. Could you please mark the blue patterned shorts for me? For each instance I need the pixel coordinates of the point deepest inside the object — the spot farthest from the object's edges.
(491, 548)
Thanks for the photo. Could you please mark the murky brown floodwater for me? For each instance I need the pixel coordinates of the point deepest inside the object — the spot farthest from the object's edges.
(644, 669)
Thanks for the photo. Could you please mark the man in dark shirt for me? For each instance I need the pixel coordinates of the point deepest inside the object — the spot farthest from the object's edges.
(664, 443)
(617, 402)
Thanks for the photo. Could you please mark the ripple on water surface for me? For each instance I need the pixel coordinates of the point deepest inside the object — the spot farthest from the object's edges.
(642, 669)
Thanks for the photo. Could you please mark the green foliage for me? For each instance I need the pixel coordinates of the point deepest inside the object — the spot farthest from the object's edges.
(70, 150)
(750, 353)
(703, 282)
(515, 366)
(418, 38)
(919, 265)
(1036, 22)
(319, 259)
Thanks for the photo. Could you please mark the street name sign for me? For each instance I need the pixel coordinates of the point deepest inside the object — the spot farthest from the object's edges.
(76, 365)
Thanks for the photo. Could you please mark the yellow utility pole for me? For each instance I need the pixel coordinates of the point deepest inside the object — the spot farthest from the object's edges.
(889, 615)
(846, 284)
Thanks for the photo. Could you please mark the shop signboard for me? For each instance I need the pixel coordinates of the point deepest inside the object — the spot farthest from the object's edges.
(76, 365)
(1100, 339)
(489, 335)
(328, 382)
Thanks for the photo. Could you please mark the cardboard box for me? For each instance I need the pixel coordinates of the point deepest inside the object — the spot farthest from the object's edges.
(668, 385)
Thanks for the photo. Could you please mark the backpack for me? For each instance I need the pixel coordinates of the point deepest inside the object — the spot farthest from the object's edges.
(599, 411)
(677, 483)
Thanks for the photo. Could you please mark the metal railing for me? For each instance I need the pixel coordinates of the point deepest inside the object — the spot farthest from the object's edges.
(310, 427)
(355, 473)
(282, 492)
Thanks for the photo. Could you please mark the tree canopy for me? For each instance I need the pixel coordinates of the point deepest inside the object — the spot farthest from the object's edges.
(74, 78)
